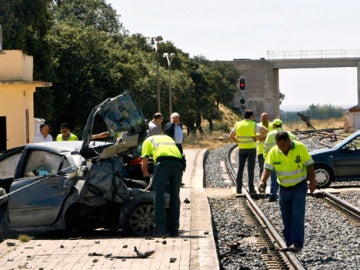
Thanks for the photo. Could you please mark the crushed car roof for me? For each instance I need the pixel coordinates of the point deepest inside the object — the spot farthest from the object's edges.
(121, 115)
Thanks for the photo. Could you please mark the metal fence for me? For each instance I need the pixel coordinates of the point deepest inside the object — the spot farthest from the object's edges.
(310, 54)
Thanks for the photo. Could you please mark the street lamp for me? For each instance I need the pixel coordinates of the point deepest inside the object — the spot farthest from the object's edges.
(169, 58)
(155, 41)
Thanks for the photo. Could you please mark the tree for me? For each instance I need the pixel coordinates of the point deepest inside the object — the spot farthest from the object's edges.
(221, 78)
(88, 13)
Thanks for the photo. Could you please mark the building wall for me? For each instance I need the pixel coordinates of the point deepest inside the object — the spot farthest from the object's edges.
(16, 104)
(17, 97)
(351, 122)
(16, 66)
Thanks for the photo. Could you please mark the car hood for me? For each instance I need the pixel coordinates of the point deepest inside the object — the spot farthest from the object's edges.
(121, 117)
(320, 151)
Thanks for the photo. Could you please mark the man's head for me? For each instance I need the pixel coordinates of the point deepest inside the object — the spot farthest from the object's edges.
(175, 118)
(44, 129)
(157, 118)
(264, 118)
(283, 141)
(65, 129)
(249, 114)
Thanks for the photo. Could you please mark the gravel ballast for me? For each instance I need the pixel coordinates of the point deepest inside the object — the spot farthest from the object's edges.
(332, 240)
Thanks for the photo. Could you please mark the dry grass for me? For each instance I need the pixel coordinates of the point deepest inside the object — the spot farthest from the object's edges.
(24, 238)
(215, 139)
(317, 124)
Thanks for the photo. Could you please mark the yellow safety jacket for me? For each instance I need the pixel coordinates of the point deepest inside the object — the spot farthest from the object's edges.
(160, 146)
(290, 169)
(72, 137)
(245, 133)
(270, 139)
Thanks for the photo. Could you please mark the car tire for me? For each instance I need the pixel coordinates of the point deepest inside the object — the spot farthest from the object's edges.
(137, 216)
(323, 176)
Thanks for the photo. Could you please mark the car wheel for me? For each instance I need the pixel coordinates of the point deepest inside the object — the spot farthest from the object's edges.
(137, 217)
(323, 176)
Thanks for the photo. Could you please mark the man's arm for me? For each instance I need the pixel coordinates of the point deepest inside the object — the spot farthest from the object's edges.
(101, 135)
(262, 183)
(311, 177)
(233, 137)
(263, 132)
(144, 167)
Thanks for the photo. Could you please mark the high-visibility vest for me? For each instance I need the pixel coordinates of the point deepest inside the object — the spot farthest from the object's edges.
(245, 133)
(270, 139)
(72, 137)
(291, 169)
(160, 146)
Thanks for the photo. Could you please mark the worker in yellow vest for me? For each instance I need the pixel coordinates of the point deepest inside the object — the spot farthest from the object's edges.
(245, 135)
(293, 166)
(169, 167)
(264, 122)
(65, 134)
(269, 143)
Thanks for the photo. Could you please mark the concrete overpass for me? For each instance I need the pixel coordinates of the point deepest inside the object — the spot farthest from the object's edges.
(262, 77)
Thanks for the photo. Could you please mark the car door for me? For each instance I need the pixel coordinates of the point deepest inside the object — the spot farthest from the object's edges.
(8, 163)
(38, 196)
(347, 160)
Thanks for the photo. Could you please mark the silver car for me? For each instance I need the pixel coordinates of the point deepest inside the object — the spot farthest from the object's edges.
(80, 185)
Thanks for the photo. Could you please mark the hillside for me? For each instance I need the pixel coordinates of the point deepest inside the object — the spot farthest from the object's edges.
(219, 136)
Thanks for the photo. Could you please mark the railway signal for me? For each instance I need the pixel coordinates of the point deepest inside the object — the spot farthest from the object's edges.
(242, 84)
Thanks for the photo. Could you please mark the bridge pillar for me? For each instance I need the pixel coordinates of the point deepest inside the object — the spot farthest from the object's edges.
(358, 83)
(262, 92)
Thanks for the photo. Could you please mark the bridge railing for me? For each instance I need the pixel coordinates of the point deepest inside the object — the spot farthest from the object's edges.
(307, 54)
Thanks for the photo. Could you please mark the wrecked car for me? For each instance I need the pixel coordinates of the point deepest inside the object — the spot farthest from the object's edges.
(80, 185)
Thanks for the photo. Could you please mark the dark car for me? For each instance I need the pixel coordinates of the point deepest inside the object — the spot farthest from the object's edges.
(339, 163)
(79, 185)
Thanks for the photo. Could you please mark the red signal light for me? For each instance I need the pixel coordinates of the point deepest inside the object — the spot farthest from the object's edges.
(242, 84)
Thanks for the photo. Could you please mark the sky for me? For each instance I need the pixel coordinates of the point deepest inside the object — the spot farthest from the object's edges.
(233, 29)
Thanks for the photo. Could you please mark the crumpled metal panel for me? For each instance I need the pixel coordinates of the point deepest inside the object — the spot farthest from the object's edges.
(104, 180)
(120, 114)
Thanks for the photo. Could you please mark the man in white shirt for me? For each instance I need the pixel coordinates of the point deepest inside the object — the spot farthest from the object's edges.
(44, 135)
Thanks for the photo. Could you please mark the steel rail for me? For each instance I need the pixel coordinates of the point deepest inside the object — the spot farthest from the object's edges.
(343, 205)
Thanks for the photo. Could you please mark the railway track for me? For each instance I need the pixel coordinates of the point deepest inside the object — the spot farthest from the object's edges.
(343, 206)
(274, 259)
(270, 240)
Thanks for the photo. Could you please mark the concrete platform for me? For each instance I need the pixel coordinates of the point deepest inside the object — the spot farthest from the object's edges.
(193, 249)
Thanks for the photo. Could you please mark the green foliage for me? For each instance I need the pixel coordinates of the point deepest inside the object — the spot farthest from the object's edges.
(88, 13)
(324, 111)
(319, 112)
(83, 49)
(26, 25)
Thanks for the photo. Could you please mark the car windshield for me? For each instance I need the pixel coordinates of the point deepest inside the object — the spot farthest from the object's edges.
(41, 163)
(354, 144)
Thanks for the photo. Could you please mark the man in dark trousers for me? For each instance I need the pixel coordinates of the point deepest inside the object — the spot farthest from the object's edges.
(169, 166)
(245, 133)
(293, 166)
(174, 130)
